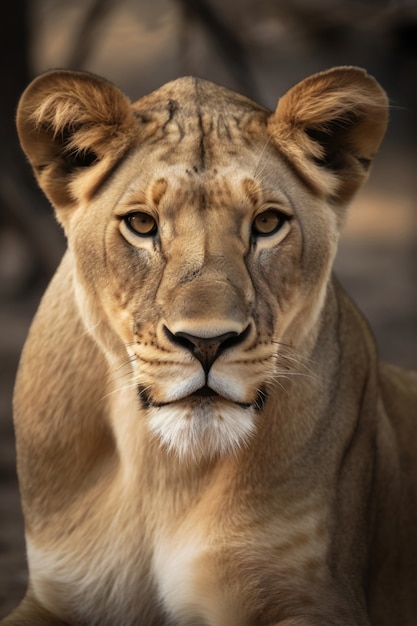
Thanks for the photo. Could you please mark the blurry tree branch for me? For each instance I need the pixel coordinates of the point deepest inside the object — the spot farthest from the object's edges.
(85, 39)
(234, 53)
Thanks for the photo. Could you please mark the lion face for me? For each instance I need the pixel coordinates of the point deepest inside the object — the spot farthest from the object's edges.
(202, 241)
(209, 283)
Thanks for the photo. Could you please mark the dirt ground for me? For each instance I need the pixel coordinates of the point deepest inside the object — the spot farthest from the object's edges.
(376, 263)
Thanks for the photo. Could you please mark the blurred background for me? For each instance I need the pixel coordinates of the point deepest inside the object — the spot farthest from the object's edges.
(257, 47)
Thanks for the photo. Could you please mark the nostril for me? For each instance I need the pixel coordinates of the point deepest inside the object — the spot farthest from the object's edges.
(197, 341)
(206, 349)
(233, 340)
(178, 339)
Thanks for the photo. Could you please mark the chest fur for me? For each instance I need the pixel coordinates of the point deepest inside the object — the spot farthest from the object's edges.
(198, 567)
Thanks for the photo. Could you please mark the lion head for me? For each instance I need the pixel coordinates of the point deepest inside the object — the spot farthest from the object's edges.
(201, 230)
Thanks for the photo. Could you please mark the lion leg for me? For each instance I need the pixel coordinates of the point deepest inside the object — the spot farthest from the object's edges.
(29, 612)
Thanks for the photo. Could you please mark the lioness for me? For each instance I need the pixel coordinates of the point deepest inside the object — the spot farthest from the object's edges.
(205, 436)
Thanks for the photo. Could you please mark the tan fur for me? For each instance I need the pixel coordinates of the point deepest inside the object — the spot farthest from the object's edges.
(204, 432)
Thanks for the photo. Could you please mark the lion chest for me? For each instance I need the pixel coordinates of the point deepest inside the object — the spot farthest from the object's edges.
(179, 561)
(212, 573)
(137, 562)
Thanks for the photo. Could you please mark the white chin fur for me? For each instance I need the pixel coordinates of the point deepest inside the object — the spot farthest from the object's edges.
(203, 430)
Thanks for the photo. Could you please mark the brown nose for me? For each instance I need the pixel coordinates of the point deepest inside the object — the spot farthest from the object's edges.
(206, 349)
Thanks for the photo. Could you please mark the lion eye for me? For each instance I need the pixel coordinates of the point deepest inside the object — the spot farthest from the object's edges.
(268, 223)
(141, 224)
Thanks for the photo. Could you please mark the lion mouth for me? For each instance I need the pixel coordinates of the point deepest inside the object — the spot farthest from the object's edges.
(207, 392)
(148, 402)
(204, 393)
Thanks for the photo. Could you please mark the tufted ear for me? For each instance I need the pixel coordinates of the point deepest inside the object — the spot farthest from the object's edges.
(330, 126)
(69, 122)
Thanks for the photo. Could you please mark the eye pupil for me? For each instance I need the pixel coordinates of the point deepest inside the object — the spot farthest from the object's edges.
(268, 222)
(141, 223)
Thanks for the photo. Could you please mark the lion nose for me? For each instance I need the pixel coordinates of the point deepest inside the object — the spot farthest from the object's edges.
(207, 349)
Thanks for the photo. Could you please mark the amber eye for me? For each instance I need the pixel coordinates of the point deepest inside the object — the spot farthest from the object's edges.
(268, 223)
(141, 224)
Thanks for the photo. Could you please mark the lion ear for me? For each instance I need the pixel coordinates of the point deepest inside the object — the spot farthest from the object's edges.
(330, 126)
(69, 122)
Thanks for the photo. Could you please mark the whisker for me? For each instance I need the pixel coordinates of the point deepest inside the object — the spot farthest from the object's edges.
(295, 365)
(292, 365)
(88, 331)
(126, 387)
(125, 363)
(276, 382)
(257, 170)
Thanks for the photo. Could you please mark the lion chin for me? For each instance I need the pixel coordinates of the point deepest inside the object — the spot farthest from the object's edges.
(202, 427)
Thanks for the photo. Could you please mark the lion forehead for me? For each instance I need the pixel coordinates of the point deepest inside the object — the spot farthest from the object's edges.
(202, 118)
